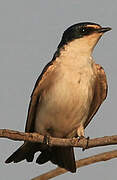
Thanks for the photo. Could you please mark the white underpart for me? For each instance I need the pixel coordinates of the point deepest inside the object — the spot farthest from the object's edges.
(65, 106)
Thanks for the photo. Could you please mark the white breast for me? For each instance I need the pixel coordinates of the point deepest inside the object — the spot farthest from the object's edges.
(67, 102)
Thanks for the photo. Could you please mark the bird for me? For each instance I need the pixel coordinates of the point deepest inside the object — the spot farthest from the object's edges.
(66, 96)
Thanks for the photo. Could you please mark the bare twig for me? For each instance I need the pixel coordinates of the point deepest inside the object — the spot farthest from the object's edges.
(74, 142)
(35, 137)
(80, 163)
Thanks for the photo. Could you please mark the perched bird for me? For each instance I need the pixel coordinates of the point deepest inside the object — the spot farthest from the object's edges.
(66, 96)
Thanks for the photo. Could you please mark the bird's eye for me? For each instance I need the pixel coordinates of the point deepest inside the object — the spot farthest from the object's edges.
(86, 30)
(83, 30)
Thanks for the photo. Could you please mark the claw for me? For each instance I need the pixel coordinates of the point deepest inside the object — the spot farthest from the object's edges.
(86, 147)
(46, 140)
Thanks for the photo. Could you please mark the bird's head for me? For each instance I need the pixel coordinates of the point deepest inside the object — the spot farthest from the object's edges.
(83, 36)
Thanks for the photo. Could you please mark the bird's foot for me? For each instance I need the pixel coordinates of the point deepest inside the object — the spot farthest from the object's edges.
(86, 147)
(83, 137)
(46, 140)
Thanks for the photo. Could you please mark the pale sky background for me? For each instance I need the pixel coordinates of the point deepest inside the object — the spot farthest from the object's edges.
(30, 31)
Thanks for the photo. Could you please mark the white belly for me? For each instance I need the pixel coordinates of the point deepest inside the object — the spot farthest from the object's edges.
(66, 104)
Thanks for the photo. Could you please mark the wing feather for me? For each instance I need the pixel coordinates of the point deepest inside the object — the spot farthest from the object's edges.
(42, 82)
(100, 92)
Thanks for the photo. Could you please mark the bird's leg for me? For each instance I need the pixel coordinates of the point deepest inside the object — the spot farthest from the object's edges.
(86, 147)
(81, 135)
(80, 132)
(46, 140)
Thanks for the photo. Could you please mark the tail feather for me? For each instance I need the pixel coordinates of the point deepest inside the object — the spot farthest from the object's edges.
(26, 151)
(62, 156)
(44, 157)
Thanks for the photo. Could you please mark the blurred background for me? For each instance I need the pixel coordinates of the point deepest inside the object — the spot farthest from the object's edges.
(30, 31)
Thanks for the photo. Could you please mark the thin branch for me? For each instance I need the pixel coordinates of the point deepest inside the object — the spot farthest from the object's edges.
(35, 137)
(80, 163)
(74, 142)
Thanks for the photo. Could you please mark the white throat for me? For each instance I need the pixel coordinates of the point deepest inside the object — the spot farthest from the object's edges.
(74, 55)
(79, 51)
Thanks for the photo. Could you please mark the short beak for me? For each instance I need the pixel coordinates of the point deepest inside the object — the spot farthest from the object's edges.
(103, 30)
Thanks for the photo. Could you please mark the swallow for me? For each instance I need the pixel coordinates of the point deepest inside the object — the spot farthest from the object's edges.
(66, 96)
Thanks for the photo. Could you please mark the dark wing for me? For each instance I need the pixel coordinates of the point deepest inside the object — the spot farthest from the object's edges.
(100, 92)
(42, 82)
(28, 149)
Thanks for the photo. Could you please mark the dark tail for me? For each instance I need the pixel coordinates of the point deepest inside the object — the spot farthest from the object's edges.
(62, 156)
(26, 151)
